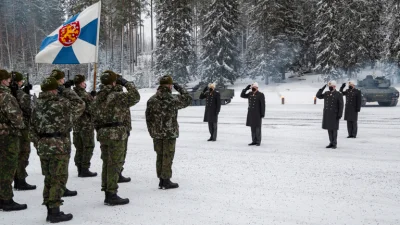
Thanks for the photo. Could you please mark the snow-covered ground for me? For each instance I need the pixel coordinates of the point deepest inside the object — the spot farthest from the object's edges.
(290, 179)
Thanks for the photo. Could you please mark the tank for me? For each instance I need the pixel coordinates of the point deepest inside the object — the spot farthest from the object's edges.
(378, 90)
(226, 94)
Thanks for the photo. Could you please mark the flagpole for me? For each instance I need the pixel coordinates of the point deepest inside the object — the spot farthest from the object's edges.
(97, 49)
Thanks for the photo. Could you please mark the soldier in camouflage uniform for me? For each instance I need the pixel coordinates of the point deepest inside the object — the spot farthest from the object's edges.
(51, 121)
(24, 100)
(108, 109)
(83, 131)
(11, 122)
(161, 118)
(64, 90)
(127, 123)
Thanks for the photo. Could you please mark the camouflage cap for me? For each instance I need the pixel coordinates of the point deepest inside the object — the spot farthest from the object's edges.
(49, 84)
(166, 80)
(108, 77)
(58, 74)
(78, 79)
(18, 76)
(4, 75)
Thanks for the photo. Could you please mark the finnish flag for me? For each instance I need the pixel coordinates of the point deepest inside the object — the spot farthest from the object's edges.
(74, 42)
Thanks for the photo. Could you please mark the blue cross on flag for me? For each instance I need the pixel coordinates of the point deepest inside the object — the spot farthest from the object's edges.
(74, 42)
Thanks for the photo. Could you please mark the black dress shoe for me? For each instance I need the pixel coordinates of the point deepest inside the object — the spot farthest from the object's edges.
(210, 139)
(349, 136)
(252, 143)
(329, 146)
(334, 147)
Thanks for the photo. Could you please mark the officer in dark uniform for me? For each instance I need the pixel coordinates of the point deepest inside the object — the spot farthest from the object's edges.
(213, 106)
(333, 111)
(256, 112)
(353, 107)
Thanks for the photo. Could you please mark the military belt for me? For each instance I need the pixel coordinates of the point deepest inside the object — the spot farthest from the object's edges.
(53, 135)
(115, 124)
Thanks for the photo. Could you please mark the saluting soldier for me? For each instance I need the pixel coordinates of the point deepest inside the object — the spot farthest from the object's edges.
(213, 106)
(353, 107)
(256, 111)
(333, 111)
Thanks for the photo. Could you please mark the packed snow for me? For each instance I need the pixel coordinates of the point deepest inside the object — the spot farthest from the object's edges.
(290, 179)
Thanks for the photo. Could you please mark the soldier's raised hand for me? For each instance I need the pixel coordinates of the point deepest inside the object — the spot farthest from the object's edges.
(343, 85)
(69, 84)
(205, 89)
(323, 87)
(122, 81)
(177, 86)
(248, 87)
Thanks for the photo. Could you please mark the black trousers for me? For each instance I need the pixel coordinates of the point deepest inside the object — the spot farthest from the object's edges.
(352, 128)
(256, 134)
(213, 127)
(333, 137)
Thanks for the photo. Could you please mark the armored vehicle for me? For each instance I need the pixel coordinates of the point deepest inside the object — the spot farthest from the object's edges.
(226, 94)
(378, 90)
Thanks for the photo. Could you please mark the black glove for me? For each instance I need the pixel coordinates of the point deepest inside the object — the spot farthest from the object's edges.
(59, 90)
(69, 84)
(343, 85)
(323, 87)
(122, 81)
(205, 89)
(177, 86)
(248, 87)
(93, 93)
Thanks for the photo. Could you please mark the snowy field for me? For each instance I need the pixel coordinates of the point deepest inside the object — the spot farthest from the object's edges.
(290, 179)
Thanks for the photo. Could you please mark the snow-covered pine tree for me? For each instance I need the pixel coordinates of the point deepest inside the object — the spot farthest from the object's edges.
(174, 53)
(274, 39)
(220, 56)
(328, 37)
(391, 52)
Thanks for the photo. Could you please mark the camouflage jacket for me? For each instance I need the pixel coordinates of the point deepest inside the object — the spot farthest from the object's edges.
(127, 119)
(24, 101)
(11, 116)
(109, 111)
(85, 122)
(54, 114)
(162, 112)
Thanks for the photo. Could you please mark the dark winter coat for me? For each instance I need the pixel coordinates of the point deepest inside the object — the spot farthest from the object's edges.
(353, 104)
(213, 105)
(256, 110)
(333, 109)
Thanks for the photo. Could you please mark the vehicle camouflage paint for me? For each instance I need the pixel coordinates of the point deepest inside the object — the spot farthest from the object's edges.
(378, 90)
(225, 93)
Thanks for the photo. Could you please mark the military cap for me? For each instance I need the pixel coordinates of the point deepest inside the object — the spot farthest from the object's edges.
(49, 84)
(58, 74)
(108, 77)
(166, 80)
(79, 79)
(4, 75)
(17, 76)
(332, 83)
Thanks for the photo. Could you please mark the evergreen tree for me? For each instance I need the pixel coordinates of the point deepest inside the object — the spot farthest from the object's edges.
(220, 57)
(391, 52)
(174, 51)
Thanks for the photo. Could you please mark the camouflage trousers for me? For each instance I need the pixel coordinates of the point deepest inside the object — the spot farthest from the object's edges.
(9, 150)
(84, 145)
(112, 154)
(55, 171)
(23, 158)
(125, 152)
(165, 149)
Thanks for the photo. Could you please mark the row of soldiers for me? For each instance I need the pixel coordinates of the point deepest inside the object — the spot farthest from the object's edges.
(59, 109)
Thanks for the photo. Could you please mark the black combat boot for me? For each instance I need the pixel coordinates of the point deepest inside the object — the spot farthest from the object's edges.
(160, 184)
(79, 170)
(167, 184)
(123, 179)
(114, 199)
(10, 205)
(55, 216)
(85, 172)
(68, 193)
(21, 185)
